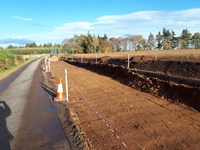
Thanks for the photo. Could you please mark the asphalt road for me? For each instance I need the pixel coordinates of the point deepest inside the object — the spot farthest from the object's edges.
(28, 119)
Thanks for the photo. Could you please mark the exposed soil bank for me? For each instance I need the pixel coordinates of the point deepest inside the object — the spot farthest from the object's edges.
(186, 94)
(182, 68)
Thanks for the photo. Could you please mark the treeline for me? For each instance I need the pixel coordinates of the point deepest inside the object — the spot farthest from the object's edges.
(29, 51)
(45, 45)
(164, 40)
(34, 45)
(33, 51)
(87, 44)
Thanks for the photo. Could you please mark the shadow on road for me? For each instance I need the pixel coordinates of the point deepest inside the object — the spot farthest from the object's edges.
(5, 135)
(49, 90)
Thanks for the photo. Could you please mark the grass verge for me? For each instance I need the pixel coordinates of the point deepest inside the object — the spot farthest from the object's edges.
(10, 70)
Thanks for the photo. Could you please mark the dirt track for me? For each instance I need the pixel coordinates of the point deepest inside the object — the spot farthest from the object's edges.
(114, 116)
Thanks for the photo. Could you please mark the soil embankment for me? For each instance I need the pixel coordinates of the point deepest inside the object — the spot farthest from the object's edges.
(175, 81)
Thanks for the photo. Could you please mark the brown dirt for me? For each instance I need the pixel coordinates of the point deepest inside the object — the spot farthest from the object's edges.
(174, 89)
(179, 66)
(111, 115)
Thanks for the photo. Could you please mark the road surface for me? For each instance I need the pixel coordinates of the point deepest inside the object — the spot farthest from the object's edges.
(28, 119)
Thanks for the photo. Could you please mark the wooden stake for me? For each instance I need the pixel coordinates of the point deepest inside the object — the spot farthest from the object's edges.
(128, 61)
(66, 85)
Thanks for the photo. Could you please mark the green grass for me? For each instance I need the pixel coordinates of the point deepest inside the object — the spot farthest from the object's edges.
(29, 51)
(13, 59)
(8, 60)
(6, 72)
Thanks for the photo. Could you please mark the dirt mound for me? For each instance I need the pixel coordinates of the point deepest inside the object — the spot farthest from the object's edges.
(180, 67)
(188, 95)
(176, 68)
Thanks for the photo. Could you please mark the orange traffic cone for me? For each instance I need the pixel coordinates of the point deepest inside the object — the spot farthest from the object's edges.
(60, 93)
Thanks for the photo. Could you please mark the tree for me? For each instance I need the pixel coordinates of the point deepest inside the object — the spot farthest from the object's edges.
(159, 40)
(167, 44)
(10, 46)
(90, 43)
(182, 43)
(138, 48)
(31, 45)
(186, 36)
(151, 42)
(174, 40)
(124, 43)
(166, 34)
(79, 40)
(144, 44)
(166, 39)
(49, 44)
(105, 37)
(196, 40)
(115, 43)
(104, 45)
(69, 45)
(134, 41)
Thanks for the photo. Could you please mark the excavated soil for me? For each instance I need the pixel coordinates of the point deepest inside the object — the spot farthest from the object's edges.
(179, 67)
(111, 115)
(176, 79)
(173, 89)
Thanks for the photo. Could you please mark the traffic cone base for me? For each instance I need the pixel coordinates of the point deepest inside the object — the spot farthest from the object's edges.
(58, 100)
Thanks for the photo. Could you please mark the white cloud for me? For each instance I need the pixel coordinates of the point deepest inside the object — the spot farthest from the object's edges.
(21, 18)
(139, 23)
(72, 27)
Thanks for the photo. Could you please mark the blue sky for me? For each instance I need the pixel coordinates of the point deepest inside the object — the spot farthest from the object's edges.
(45, 21)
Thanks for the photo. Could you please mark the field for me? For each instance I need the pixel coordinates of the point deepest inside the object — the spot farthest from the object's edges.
(147, 106)
(10, 62)
(11, 57)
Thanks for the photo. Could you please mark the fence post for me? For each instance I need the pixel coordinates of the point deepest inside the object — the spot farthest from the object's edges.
(128, 61)
(49, 68)
(156, 57)
(15, 59)
(81, 58)
(6, 62)
(66, 85)
(96, 58)
(45, 64)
